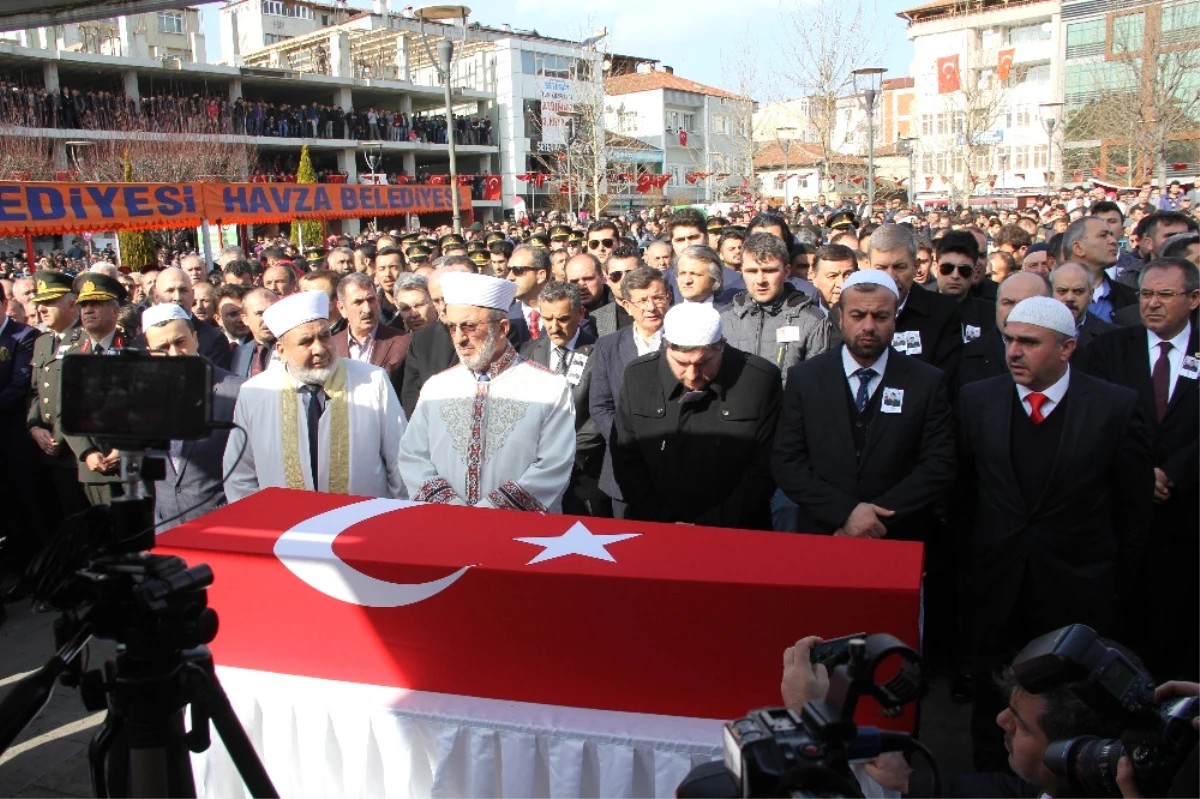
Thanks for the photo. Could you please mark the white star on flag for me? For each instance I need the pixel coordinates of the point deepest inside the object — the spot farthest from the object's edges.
(578, 540)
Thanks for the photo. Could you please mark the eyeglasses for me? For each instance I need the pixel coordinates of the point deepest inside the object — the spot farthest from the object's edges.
(646, 302)
(468, 328)
(616, 275)
(596, 243)
(1166, 295)
(964, 270)
(520, 270)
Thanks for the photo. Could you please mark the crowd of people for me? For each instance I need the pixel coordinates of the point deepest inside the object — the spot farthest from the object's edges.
(71, 108)
(1015, 389)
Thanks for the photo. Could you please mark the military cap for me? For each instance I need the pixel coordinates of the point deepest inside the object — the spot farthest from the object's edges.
(716, 224)
(842, 219)
(51, 285)
(559, 232)
(540, 240)
(96, 287)
(417, 252)
(450, 240)
(314, 255)
(492, 238)
(575, 238)
(479, 258)
(430, 242)
(475, 245)
(408, 238)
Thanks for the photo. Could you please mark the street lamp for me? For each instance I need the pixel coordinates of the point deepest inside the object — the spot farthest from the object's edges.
(908, 145)
(786, 144)
(573, 117)
(445, 57)
(373, 155)
(1004, 171)
(868, 80)
(1049, 121)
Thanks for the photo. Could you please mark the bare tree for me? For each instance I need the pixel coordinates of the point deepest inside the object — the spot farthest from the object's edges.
(975, 109)
(745, 66)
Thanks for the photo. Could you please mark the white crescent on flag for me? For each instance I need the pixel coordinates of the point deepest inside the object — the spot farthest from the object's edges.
(307, 551)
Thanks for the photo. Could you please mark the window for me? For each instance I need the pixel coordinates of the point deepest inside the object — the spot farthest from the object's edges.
(273, 7)
(1020, 158)
(274, 38)
(676, 173)
(1039, 157)
(981, 163)
(1023, 117)
(527, 63)
(1180, 21)
(989, 38)
(1085, 38)
(688, 121)
(300, 12)
(959, 123)
(672, 121)
(627, 121)
(956, 162)
(926, 124)
(1035, 75)
(987, 79)
(170, 22)
(1128, 31)
(721, 124)
(1038, 32)
(942, 128)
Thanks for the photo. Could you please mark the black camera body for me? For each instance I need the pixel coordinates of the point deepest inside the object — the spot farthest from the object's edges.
(781, 752)
(1157, 738)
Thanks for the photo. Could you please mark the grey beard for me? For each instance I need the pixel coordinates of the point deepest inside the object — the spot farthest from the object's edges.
(483, 357)
(314, 377)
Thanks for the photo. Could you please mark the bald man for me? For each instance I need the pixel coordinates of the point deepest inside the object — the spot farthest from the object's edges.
(1072, 284)
(984, 357)
(174, 285)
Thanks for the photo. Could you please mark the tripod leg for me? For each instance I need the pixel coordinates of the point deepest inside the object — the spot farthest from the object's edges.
(109, 768)
(237, 743)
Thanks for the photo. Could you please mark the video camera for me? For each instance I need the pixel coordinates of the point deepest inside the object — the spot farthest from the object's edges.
(779, 752)
(99, 571)
(1157, 738)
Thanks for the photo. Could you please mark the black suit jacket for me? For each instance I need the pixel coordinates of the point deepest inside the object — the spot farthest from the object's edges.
(716, 469)
(610, 356)
(1071, 555)
(939, 321)
(982, 358)
(907, 464)
(589, 444)
(430, 351)
(978, 313)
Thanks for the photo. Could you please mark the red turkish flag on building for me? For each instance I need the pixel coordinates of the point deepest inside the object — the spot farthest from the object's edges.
(1004, 67)
(523, 177)
(661, 181)
(439, 180)
(540, 178)
(901, 181)
(928, 184)
(683, 138)
(403, 180)
(491, 187)
(645, 182)
(577, 612)
(692, 177)
(948, 78)
(466, 180)
(1179, 167)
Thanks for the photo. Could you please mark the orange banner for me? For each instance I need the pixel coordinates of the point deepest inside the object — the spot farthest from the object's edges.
(52, 208)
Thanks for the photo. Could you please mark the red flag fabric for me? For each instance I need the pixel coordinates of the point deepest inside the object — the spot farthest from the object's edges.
(523, 177)
(948, 78)
(403, 180)
(928, 184)
(392, 593)
(692, 177)
(540, 178)
(901, 181)
(1096, 171)
(1004, 67)
(491, 187)
(722, 175)
(1077, 177)
(1179, 167)
(466, 180)
(1121, 170)
(661, 180)
(1019, 175)
(683, 138)
(645, 182)
(439, 180)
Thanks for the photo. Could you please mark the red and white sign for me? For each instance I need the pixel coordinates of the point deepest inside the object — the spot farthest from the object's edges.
(595, 613)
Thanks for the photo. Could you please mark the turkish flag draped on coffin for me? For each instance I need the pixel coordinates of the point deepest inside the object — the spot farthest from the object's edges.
(596, 613)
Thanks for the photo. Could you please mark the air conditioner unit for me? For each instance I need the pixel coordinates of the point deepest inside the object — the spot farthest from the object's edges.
(172, 62)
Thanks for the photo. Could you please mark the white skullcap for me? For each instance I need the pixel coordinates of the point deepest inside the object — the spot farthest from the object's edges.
(163, 312)
(296, 309)
(1044, 312)
(483, 291)
(692, 324)
(877, 277)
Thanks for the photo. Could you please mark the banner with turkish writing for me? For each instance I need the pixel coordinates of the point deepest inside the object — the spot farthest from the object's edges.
(948, 78)
(583, 612)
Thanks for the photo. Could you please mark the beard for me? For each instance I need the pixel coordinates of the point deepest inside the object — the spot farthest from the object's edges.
(860, 348)
(482, 357)
(315, 377)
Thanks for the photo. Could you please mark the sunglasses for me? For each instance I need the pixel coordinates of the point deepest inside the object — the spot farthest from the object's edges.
(616, 276)
(964, 270)
(607, 243)
(520, 270)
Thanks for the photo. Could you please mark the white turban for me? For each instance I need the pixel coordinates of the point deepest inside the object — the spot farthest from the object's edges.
(296, 309)
(483, 291)
(692, 324)
(163, 312)
(1044, 312)
(874, 276)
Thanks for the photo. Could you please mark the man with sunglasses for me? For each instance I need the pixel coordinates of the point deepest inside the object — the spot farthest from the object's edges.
(602, 238)
(611, 317)
(529, 271)
(957, 256)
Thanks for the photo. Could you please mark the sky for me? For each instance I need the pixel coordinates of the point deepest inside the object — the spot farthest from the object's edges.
(698, 38)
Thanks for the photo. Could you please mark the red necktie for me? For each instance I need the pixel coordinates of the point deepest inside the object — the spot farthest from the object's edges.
(535, 325)
(261, 356)
(233, 345)
(1036, 400)
(1160, 377)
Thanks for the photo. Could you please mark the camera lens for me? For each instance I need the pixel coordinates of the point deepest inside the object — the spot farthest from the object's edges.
(1087, 764)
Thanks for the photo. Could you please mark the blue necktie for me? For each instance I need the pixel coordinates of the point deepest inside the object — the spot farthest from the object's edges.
(315, 408)
(864, 376)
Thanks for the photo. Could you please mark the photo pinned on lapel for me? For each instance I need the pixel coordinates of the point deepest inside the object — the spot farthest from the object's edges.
(893, 400)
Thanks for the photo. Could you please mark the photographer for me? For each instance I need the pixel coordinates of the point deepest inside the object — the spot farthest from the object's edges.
(1031, 722)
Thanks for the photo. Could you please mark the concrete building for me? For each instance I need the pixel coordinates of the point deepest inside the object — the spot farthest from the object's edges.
(250, 25)
(700, 129)
(168, 34)
(982, 73)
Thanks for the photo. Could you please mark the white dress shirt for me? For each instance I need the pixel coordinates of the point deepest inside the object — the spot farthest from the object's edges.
(1054, 395)
(1174, 355)
(644, 347)
(361, 351)
(851, 366)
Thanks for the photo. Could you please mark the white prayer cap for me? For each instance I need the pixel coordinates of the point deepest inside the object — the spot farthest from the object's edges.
(1044, 312)
(163, 312)
(483, 291)
(296, 309)
(875, 276)
(692, 324)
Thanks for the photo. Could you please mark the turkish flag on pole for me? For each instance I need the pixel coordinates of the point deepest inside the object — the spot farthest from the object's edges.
(948, 79)
(438, 180)
(599, 613)
(1004, 67)
(645, 182)
(683, 138)
(491, 187)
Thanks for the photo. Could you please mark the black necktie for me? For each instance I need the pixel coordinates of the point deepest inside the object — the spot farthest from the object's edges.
(561, 366)
(315, 407)
(864, 375)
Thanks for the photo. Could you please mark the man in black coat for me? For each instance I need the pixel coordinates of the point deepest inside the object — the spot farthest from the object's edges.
(956, 262)
(431, 350)
(984, 357)
(1055, 489)
(1089, 241)
(864, 445)
(929, 326)
(1165, 382)
(174, 285)
(565, 347)
(694, 429)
